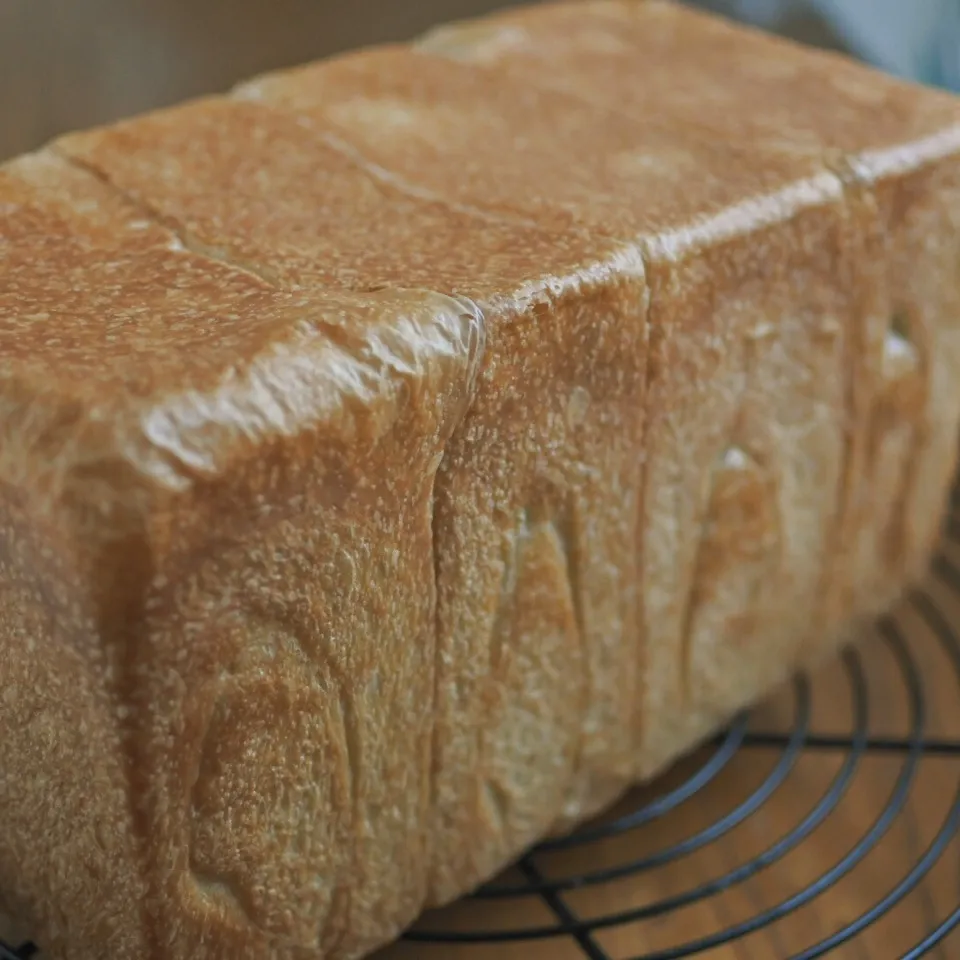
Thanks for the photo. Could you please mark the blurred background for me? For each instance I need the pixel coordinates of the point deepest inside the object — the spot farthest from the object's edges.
(67, 64)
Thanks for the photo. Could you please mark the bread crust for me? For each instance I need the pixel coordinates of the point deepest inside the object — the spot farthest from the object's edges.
(406, 454)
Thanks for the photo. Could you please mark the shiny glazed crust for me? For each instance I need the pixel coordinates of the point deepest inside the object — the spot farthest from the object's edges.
(405, 454)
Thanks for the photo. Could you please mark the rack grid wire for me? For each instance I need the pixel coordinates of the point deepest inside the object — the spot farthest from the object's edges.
(786, 747)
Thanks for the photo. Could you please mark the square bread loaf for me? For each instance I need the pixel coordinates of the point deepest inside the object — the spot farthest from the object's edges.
(404, 455)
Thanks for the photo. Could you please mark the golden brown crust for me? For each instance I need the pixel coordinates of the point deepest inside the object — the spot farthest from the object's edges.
(405, 454)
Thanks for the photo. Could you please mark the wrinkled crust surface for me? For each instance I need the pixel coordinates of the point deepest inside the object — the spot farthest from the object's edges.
(193, 360)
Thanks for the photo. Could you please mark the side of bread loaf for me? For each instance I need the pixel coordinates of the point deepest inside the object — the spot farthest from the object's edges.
(650, 57)
(406, 454)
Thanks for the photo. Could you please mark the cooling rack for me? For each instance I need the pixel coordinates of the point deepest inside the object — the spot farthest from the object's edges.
(822, 823)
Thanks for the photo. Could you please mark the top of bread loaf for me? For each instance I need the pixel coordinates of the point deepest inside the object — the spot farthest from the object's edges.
(775, 94)
(178, 286)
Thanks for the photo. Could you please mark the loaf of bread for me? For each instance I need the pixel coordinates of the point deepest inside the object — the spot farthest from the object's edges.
(404, 455)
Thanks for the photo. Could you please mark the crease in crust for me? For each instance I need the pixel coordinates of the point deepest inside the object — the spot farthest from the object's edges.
(691, 604)
(565, 529)
(893, 537)
(860, 176)
(496, 801)
(280, 643)
(432, 771)
(212, 883)
(181, 236)
(219, 888)
(733, 458)
(535, 540)
(353, 744)
(341, 898)
(432, 787)
(139, 561)
(916, 361)
(855, 348)
(638, 729)
(565, 526)
(384, 179)
(517, 537)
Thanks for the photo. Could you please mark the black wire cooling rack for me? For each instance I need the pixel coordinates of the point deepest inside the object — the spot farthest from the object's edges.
(786, 747)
